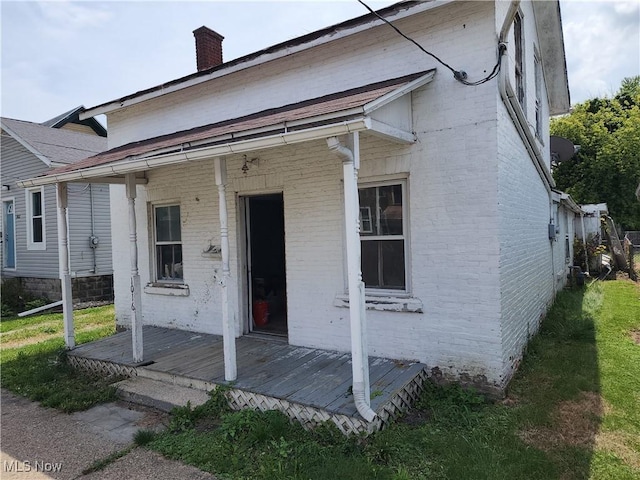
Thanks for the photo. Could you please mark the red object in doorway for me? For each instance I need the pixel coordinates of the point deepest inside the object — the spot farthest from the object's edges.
(260, 312)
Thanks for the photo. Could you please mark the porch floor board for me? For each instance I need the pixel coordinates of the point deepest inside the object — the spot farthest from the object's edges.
(311, 377)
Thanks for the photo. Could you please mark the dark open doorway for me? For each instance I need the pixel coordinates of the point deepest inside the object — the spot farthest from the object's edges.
(266, 264)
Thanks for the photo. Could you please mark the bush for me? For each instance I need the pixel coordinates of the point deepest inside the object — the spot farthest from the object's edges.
(14, 296)
(16, 299)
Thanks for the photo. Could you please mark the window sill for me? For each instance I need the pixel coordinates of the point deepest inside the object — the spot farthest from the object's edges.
(404, 304)
(166, 289)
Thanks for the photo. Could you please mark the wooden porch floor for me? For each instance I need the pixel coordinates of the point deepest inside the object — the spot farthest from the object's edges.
(267, 368)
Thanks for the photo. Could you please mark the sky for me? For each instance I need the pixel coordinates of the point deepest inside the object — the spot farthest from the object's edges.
(56, 55)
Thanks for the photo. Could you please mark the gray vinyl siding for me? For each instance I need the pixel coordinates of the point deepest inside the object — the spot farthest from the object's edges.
(81, 227)
(17, 163)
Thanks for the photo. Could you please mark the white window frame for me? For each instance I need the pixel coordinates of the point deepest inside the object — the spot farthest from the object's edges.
(538, 82)
(31, 245)
(373, 291)
(156, 278)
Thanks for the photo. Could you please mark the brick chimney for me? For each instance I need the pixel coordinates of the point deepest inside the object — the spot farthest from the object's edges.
(208, 48)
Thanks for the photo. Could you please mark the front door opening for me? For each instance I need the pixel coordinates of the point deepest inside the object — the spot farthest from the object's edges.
(266, 264)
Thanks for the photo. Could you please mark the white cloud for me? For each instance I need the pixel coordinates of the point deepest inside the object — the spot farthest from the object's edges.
(72, 15)
(602, 46)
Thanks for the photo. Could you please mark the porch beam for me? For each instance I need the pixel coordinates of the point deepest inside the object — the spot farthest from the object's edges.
(136, 291)
(357, 310)
(228, 330)
(63, 260)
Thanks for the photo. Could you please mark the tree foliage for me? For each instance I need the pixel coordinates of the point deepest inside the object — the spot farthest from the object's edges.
(607, 166)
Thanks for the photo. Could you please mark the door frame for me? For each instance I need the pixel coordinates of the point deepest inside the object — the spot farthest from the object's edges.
(244, 255)
(5, 240)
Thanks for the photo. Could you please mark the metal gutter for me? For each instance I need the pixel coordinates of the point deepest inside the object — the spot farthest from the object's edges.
(176, 157)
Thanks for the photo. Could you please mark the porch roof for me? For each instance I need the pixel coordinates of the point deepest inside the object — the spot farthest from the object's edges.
(330, 115)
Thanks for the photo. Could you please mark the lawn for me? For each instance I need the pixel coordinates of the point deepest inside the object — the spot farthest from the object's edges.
(572, 412)
(32, 357)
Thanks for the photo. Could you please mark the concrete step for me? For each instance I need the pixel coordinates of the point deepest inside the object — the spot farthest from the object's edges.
(179, 380)
(157, 394)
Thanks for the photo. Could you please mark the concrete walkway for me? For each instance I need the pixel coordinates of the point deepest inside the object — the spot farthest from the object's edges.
(42, 443)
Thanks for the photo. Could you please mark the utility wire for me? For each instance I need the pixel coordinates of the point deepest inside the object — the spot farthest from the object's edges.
(459, 75)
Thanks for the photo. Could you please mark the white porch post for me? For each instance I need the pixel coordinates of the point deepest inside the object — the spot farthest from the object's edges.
(136, 292)
(357, 309)
(63, 260)
(228, 331)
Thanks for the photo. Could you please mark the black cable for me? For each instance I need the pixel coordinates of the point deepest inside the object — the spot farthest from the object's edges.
(459, 75)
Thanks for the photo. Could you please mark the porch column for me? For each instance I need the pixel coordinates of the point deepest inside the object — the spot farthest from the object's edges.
(228, 331)
(136, 292)
(357, 308)
(63, 260)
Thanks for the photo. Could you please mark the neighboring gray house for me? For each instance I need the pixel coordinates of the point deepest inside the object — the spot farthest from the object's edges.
(29, 228)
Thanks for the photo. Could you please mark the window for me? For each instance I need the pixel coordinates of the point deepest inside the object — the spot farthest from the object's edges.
(36, 233)
(538, 79)
(382, 236)
(517, 33)
(168, 244)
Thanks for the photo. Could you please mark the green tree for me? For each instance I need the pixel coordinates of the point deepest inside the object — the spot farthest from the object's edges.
(607, 166)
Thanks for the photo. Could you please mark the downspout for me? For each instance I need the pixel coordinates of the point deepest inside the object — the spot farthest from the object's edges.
(513, 107)
(584, 242)
(357, 309)
(520, 122)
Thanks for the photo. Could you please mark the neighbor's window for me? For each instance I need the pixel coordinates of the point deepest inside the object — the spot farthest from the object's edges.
(36, 235)
(382, 236)
(519, 67)
(168, 243)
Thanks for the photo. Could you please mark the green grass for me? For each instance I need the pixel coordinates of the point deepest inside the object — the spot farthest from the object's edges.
(37, 368)
(572, 413)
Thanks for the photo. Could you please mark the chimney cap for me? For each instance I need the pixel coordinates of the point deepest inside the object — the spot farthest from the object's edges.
(207, 31)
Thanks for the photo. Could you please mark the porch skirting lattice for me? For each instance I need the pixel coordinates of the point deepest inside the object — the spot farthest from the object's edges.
(310, 386)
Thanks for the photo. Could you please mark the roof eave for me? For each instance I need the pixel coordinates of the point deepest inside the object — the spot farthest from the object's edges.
(554, 63)
(254, 59)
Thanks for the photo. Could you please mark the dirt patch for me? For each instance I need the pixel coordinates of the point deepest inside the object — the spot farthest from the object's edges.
(207, 424)
(621, 445)
(509, 401)
(635, 336)
(575, 423)
(415, 417)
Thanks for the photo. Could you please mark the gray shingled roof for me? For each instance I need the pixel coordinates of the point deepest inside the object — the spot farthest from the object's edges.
(57, 145)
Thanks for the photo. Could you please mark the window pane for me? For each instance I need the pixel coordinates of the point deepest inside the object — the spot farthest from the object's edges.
(368, 211)
(370, 264)
(390, 210)
(392, 252)
(37, 229)
(36, 204)
(169, 262)
(383, 264)
(168, 224)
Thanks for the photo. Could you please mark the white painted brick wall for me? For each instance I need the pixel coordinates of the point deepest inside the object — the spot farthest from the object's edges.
(477, 210)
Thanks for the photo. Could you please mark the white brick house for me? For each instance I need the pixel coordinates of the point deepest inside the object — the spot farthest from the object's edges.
(456, 195)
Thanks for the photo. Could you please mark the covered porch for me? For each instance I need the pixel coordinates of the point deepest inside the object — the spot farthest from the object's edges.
(308, 385)
(334, 122)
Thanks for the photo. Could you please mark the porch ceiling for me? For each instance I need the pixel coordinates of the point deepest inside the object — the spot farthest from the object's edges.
(382, 108)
